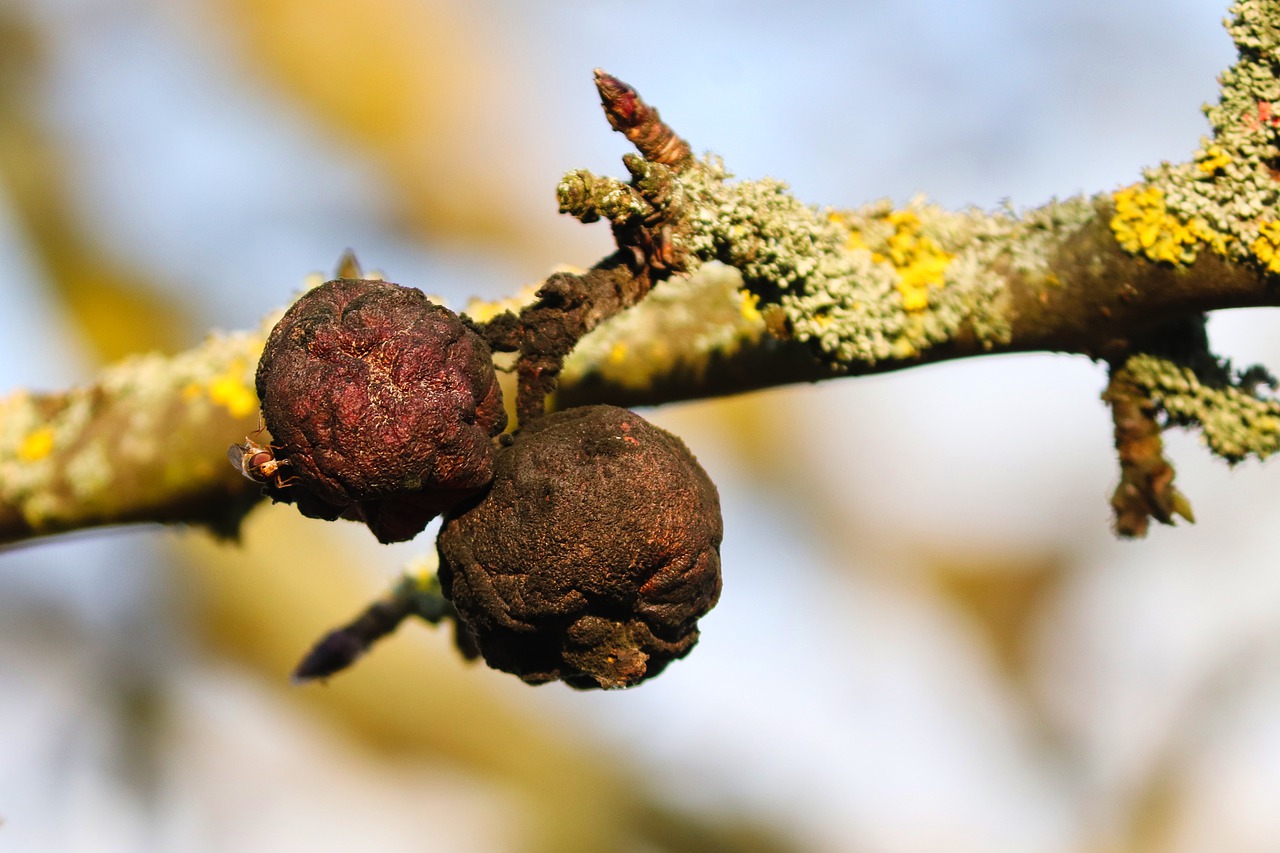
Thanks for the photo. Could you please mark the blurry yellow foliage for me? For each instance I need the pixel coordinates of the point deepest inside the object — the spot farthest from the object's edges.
(110, 301)
(37, 445)
(409, 82)
(120, 312)
(1003, 596)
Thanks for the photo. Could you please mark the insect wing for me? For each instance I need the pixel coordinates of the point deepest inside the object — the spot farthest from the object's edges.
(236, 455)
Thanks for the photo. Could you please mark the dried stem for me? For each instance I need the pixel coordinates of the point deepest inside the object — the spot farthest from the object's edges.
(1146, 489)
(568, 306)
(645, 215)
(415, 594)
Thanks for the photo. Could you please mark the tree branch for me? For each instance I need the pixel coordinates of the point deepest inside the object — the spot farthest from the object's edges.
(147, 441)
(703, 337)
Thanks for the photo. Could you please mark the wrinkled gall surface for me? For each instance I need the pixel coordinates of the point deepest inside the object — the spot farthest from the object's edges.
(593, 554)
(382, 403)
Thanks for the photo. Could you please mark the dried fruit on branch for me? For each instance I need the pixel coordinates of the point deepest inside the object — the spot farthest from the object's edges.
(592, 555)
(383, 403)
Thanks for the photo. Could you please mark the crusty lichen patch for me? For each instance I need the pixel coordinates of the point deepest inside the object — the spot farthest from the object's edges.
(1236, 420)
(681, 326)
(864, 286)
(916, 257)
(128, 440)
(1225, 196)
(1143, 224)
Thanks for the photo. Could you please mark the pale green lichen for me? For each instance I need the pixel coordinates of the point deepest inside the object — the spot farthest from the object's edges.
(865, 286)
(589, 197)
(149, 428)
(89, 473)
(21, 417)
(1225, 196)
(1235, 419)
(680, 327)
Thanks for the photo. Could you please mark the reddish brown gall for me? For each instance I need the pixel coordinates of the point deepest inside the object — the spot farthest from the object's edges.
(383, 403)
(591, 556)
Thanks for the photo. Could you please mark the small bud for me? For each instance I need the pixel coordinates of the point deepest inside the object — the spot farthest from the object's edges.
(640, 123)
(382, 403)
(592, 555)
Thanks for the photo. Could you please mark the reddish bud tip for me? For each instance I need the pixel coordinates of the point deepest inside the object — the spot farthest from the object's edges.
(619, 100)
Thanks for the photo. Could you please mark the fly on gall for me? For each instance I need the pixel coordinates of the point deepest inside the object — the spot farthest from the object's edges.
(258, 462)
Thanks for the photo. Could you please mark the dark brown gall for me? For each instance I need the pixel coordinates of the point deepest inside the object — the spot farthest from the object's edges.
(592, 555)
(382, 403)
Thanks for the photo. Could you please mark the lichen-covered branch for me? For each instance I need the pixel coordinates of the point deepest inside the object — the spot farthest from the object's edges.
(1233, 411)
(147, 441)
(899, 288)
(880, 288)
(721, 285)
(1176, 381)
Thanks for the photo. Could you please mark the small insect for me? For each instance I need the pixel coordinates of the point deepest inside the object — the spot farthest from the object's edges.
(258, 462)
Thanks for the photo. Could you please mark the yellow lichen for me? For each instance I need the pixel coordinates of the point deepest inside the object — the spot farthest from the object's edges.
(36, 445)
(1211, 159)
(1267, 247)
(748, 308)
(904, 349)
(916, 258)
(919, 260)
(232, 391)
(1144, 225)
(1216, 240)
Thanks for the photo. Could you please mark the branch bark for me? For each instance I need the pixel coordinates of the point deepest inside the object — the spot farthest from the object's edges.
(696, 338)
(146, 442)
